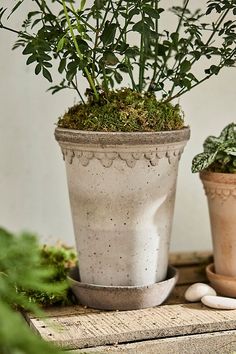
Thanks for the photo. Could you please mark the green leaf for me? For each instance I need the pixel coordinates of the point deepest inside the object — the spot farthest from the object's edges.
(185, 66)
(108, 34)
(196, 54)
(118, 77)
(123, 67)
(28, 49)
(150, 11)
(36, 22)
(231, 150)
(141, 27)
(221, 151)
(132, 52)
(109, 58)
(192, 77)
(211, 144)
(99, 4)
(31, 59)
(15, 7)
(186, 83)
(214, 69)
(62, 65)
(71, 74)
(45, 57)
(229, 132)
(229, 62)
(133, 12)
(47, 64)
(82, 4)
(38, 69)
(161, 50)
(47, 74)
(175, 37)
(149, 22)
(61, 44)
(202, 161)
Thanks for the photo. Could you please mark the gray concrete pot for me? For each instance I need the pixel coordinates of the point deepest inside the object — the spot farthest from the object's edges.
(122, 192)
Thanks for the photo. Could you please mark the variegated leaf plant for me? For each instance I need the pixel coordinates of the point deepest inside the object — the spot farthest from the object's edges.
(219, 153)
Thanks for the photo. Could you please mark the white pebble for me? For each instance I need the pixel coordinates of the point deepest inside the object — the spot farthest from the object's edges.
(196, 291)
(219, 302)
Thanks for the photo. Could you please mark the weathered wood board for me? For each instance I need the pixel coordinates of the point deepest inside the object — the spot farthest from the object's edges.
(175, 327)
(96, 329)
(210, 343)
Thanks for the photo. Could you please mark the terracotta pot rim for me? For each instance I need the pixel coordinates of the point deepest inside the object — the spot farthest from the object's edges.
(122, 138)
(210, 270)
(217, 177)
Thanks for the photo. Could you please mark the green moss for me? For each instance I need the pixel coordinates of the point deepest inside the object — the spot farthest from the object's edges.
(125, 111)
(59, 259)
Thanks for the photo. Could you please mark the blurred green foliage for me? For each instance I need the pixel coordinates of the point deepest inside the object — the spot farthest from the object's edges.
(23, 265)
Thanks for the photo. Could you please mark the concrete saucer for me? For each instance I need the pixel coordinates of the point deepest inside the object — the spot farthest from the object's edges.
(122, 297)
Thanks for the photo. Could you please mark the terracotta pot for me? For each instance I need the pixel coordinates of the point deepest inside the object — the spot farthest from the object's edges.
(220, 189)
(122, 192)
(223, 284)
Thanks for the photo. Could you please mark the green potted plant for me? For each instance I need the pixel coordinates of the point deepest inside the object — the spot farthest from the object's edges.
(25, 279)
(217, 167)
(122, 145)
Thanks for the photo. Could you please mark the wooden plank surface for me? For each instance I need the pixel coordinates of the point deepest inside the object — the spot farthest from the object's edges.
(190, 258)
(191, 266)
(175, 327)
(97, 329)
(209, 343)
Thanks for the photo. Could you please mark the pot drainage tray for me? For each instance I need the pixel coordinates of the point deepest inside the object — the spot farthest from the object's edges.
(223, 284)
(122, 297)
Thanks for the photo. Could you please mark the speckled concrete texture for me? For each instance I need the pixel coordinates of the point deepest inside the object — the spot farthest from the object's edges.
(122, 297)
(122, 191)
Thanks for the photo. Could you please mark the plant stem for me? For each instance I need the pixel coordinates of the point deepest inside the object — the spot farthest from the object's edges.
(134, 86)
(114, 16)
(183, 91)
(76, 15)
(220, 20)
(156, 46)
(177, 68)
(77, 90)
(117, 11)
(42, 8)
(105, 79)
(14, 31)
(142, 59)
(90, 80)
(186, 2)
(95, 47)
(106, 13)
(141, 64)
(123, 34)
